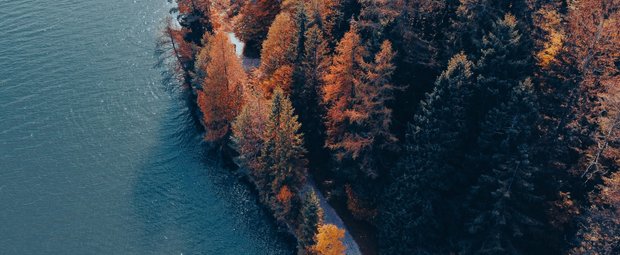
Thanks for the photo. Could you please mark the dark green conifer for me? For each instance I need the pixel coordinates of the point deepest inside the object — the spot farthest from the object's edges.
(504, 202)
(282, 161)
(311, 218)
(315, 63)
(505, 60)
(415, 213)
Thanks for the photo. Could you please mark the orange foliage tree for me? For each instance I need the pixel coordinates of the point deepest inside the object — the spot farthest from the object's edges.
(328, 14)
(356, 93)
(173, 46)
(195, 15)
(329, 240)
(339, 90)
(254, 21)
(221, 97)
(600, 226)
(590, 62)
(282, 77)
(188, 6)
(279, 53)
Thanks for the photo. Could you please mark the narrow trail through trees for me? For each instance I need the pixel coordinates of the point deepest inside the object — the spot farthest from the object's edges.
(330, 215)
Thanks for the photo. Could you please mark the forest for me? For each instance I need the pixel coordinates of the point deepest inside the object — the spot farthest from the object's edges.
(439, 126)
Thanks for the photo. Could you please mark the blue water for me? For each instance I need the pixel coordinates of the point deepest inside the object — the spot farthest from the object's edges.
(97, 154)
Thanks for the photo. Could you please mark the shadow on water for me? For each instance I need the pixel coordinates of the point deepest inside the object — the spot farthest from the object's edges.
(188, 204)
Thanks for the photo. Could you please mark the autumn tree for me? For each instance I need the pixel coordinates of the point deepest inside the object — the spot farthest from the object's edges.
(311, 219)
(279, 54)
(253, 23)
(371, 118)
(173, 49)
(358, 120)
(343, 76)
(356, 93)
(600, 225)
(594, 41)
(329, 240)
(249, 127)
(280, 47)
(416, 209)
(282, 163)
(221, 97)
(572, 92)
(328, 16)
(548, 23)
(194, 15)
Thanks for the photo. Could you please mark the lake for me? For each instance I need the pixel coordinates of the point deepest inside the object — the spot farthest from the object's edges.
(97, 154)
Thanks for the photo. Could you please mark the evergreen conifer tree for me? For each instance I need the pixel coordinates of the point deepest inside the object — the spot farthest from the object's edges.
(415, 213)
(311, 219)
(504, 201)
(282, 161)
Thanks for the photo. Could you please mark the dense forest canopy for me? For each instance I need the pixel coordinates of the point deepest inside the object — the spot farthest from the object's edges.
(449, 126)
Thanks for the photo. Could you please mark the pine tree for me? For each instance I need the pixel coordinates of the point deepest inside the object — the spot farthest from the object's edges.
(282, 160)
(419, 35)
(249, 127)
(314, 64)
(419, 32)
(331, 17)
(504, 200)
(474, 17)
(374, 18)
(311, 219)
(220, 99)
(504, 61)
(416, 212)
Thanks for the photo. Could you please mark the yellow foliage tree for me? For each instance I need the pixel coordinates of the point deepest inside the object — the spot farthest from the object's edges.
(549, 21)
(282, 77)
(329, 240)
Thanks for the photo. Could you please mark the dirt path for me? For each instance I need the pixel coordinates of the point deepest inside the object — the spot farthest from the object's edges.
(331, 217)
